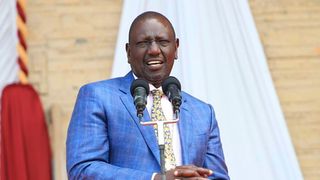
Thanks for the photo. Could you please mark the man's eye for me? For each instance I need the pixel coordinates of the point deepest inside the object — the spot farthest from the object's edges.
(142, 43)
(164, 42)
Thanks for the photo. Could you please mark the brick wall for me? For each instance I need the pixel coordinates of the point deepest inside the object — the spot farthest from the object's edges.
(72, 42)
(290, 33)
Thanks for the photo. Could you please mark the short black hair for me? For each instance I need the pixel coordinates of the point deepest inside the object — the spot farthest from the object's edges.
(150, 15)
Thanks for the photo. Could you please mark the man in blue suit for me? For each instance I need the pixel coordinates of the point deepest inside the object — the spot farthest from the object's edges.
(105, 139)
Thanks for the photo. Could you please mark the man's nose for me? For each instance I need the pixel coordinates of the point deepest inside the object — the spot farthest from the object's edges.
(154, 48)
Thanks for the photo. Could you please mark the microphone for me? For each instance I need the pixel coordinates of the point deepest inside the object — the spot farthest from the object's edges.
(139, 90)
(172, 87)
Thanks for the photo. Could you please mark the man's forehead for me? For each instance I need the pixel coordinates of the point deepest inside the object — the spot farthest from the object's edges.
(148, 17)
(146, 20)
(151, 28)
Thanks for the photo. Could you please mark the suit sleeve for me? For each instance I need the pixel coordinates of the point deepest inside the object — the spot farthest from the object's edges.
(214, 159)
(88, 144)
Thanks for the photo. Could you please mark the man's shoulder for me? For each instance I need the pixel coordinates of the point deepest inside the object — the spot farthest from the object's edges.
(104, 86)
(191, 99)
(107, 82)
(197, 107)
(112, 82)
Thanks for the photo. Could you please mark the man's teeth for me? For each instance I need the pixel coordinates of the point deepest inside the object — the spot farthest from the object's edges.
(154, 62)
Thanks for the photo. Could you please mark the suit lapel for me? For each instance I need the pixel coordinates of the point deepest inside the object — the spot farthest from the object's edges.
(185, 130)
(146, 131)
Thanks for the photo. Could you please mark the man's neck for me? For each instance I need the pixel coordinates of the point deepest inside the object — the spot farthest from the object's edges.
(155, 85)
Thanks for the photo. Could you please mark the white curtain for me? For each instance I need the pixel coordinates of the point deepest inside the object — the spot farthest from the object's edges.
(8, 43)
(221, 61)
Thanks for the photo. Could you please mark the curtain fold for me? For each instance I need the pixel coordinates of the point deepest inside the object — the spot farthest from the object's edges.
(221, 61)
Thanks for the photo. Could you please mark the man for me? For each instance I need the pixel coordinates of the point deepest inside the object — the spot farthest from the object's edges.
(105, 139)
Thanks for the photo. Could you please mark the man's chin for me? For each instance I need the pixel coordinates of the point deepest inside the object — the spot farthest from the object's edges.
(156, 81)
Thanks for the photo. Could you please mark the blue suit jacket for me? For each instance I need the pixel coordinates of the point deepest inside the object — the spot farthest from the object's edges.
(106, 141)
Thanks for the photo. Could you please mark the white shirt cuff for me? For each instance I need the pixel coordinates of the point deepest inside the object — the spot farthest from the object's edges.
(153, 175)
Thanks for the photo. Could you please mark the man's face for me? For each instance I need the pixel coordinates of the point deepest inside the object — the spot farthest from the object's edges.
(152, 50)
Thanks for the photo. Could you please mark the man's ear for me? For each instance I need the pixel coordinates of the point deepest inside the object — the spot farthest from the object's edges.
(177, 46)
(128, 52)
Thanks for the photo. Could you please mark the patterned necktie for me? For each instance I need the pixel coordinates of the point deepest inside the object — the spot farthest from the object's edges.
(157, 115)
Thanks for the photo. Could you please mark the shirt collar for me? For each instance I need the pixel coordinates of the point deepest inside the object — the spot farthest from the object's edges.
(151, 87)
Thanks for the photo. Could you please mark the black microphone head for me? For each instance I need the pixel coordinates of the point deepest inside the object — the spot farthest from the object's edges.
(169, 81)
(139, 83)
(172, 87)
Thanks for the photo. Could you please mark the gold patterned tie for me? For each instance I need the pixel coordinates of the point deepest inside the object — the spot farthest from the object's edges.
(157, 115)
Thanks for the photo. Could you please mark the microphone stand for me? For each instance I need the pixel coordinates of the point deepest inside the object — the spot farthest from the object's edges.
(161, 144)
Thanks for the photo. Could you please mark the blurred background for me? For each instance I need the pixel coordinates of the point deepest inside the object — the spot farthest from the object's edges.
(71, 43)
